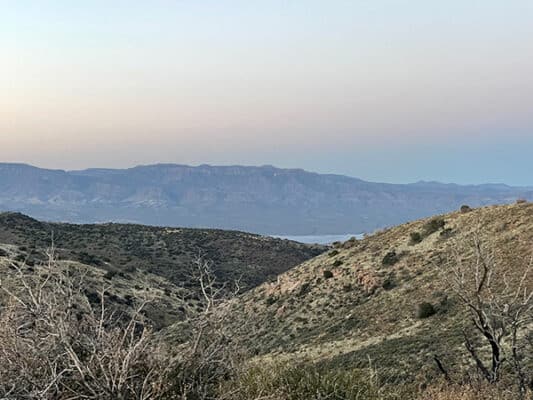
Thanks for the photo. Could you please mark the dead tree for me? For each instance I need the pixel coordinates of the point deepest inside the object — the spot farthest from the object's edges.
(499, 300)
(210, 353)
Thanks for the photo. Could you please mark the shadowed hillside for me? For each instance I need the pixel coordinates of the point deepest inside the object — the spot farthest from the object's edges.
(137, 258)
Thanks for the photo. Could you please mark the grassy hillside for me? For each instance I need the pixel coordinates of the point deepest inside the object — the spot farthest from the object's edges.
(362, 300)
(123, 291)
(363, 320)
(133, 259)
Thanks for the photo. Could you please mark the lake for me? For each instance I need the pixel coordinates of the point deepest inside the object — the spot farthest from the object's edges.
(320, 239)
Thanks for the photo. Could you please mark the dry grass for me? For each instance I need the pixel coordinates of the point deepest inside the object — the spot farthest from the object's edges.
(484, 392)
(369, 309)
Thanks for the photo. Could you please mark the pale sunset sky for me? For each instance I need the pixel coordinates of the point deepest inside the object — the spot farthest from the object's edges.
(385, 90)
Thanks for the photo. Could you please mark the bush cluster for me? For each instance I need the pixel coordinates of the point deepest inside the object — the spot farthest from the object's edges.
(327, 274)
(465, 208)
(415, 237)
(433, 226)
(333, 253)
(390, 258)
(306, 382)
(429, 228)
(425, 310)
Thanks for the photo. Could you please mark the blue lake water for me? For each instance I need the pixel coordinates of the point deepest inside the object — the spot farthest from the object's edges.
(320, 239)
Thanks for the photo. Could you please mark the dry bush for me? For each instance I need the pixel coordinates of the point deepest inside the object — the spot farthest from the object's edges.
(499, 300)
(209, 354)
(55, 344)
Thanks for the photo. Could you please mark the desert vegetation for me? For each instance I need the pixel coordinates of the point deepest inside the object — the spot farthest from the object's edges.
(500, 306)
(55, 343)
(447, 318)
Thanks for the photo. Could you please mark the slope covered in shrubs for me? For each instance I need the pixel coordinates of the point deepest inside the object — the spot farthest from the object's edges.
(127, 254)
(386, 297)
(372, 319)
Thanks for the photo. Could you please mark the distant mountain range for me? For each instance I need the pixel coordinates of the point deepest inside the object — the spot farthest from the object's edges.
(264, 199)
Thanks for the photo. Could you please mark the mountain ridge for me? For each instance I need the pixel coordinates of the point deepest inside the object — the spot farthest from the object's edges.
(261, 199)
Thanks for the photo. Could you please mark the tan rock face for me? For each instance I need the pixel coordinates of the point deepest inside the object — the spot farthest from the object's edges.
(368, 280)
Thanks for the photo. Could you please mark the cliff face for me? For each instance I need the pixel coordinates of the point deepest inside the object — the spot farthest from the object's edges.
(257, 199)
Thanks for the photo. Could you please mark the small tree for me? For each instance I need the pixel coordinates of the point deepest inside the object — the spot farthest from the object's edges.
(500, 305)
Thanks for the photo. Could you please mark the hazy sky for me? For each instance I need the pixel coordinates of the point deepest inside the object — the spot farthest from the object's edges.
(389, 90)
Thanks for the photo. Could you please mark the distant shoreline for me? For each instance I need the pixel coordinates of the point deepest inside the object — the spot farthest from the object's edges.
(320, 239)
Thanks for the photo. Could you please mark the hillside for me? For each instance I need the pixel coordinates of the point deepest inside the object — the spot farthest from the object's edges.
(123, 291)
(263, 199)
(345, 324)
(358, 302)
(133, 259)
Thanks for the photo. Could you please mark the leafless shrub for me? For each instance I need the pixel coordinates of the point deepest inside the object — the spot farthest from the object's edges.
(55, 344)
(499, 300)
(209, 355)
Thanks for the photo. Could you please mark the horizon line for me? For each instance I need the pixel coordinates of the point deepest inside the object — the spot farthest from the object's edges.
(156, 164)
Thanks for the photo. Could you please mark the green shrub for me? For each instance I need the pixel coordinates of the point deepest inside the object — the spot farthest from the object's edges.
(388, 284)
(433, 226)
(337, 263)
(465, 208)
(304, 289)
(390, 258)
(93, 297)
(333, 253)
(327, 274)
(447, 233)
(415, 237)
(20, 257)
(270, 300)
(425, 310)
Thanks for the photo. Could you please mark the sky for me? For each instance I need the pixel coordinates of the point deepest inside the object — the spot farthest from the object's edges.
(383, 90)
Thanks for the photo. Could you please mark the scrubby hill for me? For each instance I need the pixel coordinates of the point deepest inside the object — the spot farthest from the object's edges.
(362, 321)
(365, 298)
(133, 259)
(124, 292)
